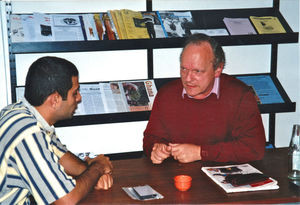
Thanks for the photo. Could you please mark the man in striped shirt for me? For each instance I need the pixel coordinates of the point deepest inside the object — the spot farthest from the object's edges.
(33, 160)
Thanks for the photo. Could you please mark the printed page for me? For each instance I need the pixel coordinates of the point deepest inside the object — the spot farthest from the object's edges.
(113, 98)
(91, 102)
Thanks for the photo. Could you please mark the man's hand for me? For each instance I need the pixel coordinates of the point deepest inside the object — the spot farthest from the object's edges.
(160, 152)
(105, 182)
(104, 162)
(185, 153)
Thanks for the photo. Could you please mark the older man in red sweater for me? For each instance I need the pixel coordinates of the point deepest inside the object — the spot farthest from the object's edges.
(206, 115)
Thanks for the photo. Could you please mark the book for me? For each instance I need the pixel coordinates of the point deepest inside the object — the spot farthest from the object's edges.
(113, 23)
(99, 26)
(134, 24)
(154, 25)
(120, 24)
(109, 34)
(221, 174)
(267, 24)
(176, 24)
(90, 26)
(239, 26)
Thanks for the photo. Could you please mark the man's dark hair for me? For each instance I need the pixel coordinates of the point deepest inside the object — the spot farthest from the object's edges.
(46, 76)
(199, 38)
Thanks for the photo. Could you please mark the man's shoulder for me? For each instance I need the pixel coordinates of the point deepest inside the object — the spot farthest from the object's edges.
(16, 113)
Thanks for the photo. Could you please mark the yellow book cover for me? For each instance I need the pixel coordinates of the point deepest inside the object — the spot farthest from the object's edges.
(267, 24)
(121, 25)
(112, 13)
(134, 24)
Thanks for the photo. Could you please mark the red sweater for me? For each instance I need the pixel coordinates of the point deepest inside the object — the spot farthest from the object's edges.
(227, 129)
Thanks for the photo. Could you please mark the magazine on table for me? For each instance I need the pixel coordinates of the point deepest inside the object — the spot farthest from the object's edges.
(240, 178)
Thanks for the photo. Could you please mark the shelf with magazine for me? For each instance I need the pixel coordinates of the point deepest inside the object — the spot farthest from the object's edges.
(206, 21)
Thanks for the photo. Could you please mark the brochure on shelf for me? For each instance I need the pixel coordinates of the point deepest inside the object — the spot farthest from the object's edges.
(263, 87)
(267, 24)
(176, 24)
(239, 26)
(220, 175)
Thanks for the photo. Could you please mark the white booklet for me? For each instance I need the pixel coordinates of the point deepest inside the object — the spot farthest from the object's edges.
(218, 174)
(239, 26)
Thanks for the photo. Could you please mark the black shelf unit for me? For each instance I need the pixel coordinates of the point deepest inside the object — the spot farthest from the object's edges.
(204, 19)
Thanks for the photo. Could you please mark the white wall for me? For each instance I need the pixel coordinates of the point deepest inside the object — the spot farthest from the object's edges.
(103, 66)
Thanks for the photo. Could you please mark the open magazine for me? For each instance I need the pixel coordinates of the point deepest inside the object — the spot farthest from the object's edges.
(221, 174)
(112, 97)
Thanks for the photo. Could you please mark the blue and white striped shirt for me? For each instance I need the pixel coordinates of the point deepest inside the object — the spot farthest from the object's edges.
(29, 154)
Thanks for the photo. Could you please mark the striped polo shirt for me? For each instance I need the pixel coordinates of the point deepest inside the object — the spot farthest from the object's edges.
(29, 154)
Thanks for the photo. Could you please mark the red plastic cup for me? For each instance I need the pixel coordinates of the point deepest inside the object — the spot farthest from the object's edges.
(182, 182)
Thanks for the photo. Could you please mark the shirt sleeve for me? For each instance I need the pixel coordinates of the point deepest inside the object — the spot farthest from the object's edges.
(38, 164)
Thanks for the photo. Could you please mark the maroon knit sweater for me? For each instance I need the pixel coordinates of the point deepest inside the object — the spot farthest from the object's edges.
(228, 129)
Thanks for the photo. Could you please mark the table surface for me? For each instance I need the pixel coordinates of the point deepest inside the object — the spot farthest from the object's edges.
(140, 171)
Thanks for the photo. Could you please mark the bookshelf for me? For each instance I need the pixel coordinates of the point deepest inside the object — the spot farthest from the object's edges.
(206, 19)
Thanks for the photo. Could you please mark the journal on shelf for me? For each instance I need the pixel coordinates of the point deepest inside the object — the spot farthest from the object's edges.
(267, 24)
(116, 96)
(240, 178)
(239, 26)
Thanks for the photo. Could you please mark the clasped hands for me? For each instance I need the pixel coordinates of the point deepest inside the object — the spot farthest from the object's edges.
(105, 181)
(184, 153)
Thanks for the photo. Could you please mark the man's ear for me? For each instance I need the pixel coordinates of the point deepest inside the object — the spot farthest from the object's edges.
(54, 100)
(219, 70)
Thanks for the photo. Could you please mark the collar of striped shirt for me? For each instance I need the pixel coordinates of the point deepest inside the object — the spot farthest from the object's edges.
(44, 124)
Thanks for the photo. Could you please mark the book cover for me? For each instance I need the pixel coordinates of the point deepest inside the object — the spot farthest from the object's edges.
(219, 173)
(267, 24)
(121, 26)
(239, 26)
(90, 27)
(134, 24)
(109, 32)
(176, 24)
(113, 24)
(99, 26)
